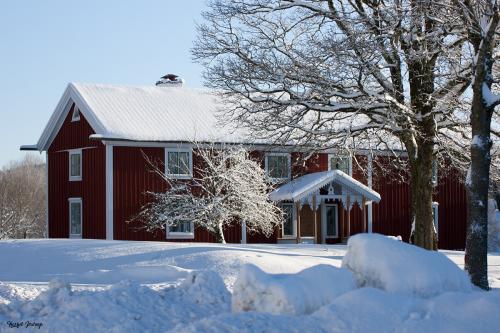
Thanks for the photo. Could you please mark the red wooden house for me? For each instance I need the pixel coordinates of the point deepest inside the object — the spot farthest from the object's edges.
(98, 176)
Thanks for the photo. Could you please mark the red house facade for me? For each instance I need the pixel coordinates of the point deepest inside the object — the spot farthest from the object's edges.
(98, 137)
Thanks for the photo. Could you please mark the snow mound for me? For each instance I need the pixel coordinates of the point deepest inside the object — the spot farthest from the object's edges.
(380, 262)
(123, 307)
(203, 287)
(369, 310)
(293, 294)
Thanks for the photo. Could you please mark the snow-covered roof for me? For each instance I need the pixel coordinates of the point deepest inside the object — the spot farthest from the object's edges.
(153, 114)
(305, 185)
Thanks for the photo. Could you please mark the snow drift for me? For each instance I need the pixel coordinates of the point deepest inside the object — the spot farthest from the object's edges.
(381, 262)
(294, 294)
(124, 307)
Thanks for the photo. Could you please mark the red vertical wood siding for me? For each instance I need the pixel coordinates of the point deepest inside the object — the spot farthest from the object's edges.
(133, 177)
(451, 196)
(74, 135)
(392, 215)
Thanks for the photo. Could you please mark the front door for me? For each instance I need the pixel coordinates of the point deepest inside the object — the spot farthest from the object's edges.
(329, 218)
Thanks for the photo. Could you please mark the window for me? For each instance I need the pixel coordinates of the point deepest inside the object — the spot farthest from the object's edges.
(330, 220)
(75, 165)
(179, 163)
(435, 215)
(181, 230)
(434, 177)
(340, 162)
(278, 165)
(288, 226)
(76, 114)
(75, 217)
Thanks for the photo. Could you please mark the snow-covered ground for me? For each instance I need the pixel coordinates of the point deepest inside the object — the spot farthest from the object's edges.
(115, 286)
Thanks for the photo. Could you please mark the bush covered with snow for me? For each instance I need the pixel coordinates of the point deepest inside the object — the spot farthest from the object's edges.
(380, 262)
(493, 226)
(300, 293)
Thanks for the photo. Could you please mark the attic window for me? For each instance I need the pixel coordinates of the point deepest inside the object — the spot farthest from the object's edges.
(76, 114)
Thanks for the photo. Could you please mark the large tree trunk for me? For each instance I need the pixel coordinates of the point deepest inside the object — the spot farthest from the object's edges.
(421, 188)
(476, 251)
(478, 176)
(420, 147)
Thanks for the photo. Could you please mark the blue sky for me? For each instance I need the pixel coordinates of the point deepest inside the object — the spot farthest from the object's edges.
(46, 44)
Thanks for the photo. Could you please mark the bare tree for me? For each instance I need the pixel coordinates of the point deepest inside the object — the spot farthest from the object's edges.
(227, 187)
(23, 199)
(348, 74)
(481, 19)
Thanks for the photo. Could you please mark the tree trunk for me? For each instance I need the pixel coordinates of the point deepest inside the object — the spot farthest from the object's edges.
(219, 235)
(420, 146)
(476, 250)
(478, 176)
(421, 189)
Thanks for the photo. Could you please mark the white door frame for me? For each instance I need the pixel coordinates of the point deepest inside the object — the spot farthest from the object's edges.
(294, 222)
(323, 221)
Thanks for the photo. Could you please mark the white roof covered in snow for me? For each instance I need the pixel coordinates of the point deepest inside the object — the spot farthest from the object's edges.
(153, 114)
(305, 185)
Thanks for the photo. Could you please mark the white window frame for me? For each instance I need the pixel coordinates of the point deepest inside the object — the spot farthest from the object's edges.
(71, 201)
(323, 221)
(75, 116)
(435, 213)
(435, 173)
(179, 150)
(75, 152)
(180, 235)
(266, 165)
(294, 222)
(349, 156)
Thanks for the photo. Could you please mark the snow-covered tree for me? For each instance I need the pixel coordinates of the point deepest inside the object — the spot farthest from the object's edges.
(227, 187)
(23, 199)
(481, 19)
(347, 74)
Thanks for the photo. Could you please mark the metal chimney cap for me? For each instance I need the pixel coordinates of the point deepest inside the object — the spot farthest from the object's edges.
(170, 80)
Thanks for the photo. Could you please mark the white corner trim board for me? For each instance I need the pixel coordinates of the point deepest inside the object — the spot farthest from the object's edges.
(109, 192)
(370, 185)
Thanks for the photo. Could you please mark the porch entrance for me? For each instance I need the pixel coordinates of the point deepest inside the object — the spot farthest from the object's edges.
(318, 207)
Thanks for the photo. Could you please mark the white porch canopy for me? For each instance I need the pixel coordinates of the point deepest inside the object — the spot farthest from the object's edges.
(305, 186)
(336, 184)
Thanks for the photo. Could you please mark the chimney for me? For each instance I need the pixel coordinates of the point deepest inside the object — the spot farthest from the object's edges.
(170, 80)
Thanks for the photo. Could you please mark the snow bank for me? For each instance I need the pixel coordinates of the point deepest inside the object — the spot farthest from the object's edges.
(203, 287)
(124, 307)
(493, 226)
(370, 310)
(380, 262)
(294, 294)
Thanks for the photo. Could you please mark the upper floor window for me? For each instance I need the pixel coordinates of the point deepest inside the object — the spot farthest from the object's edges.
(340, 162)
(179, 163)
(75, 165)
(76, 114)
(278, 165)
(435, 215)
(434, 177)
